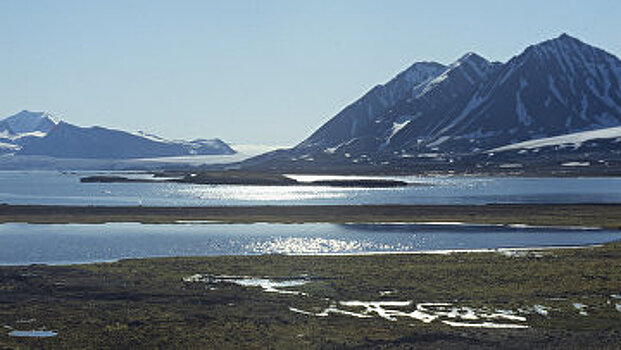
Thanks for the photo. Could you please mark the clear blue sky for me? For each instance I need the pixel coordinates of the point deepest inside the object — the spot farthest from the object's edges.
(263, 72)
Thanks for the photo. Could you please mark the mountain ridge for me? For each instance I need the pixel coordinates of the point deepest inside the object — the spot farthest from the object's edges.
(556, 87)
(38, 133)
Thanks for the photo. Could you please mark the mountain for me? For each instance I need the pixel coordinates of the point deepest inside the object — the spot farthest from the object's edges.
(19, 129)
(356, 120)
(27, 122)
(449, 114)
(36, 133)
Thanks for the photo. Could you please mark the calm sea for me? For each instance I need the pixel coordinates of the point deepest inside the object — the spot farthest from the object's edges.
(74, 243)
(83, 243)
(51, 187)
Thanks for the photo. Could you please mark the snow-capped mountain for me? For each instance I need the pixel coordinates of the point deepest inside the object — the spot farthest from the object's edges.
(560, 86)
(356, 119)
(17, 130)
(420, 111)
(26, 122)
(36, 133)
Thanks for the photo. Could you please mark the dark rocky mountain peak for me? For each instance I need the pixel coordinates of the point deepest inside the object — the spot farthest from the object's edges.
(557, 87)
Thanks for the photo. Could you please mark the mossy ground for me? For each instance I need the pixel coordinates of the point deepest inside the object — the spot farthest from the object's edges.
(145, 303)
(599, 215)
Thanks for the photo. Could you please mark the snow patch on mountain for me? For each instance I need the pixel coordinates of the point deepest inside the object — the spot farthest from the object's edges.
(149, 136)
(520, 108)
(8, 147)
(7, 135)
(574, 139)
(397, 126)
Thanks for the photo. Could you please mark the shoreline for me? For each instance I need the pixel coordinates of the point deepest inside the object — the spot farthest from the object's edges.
(360, 301)
(439, 252)
(606, 216)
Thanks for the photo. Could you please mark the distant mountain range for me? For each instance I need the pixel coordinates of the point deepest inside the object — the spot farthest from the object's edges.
(475, 114)
(39, 134)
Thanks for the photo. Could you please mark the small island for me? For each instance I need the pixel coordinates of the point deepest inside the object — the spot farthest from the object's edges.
(247, 178)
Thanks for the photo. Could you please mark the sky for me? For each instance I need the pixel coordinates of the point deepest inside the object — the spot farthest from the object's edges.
(253, 72)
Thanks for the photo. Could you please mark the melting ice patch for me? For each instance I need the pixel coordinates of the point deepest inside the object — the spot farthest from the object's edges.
(617, 305)
(541, 310)
(393, 310)
(327, 311)
(272, 285)
(581, 308)
(455, 316)
(520, 253)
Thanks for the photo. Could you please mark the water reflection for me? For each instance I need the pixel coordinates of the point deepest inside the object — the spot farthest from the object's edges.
(75, 243)
(260, 193)
(47, 187)
(309, 245)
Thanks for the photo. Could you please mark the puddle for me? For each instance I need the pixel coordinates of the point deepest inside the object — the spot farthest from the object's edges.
(33, 334)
